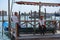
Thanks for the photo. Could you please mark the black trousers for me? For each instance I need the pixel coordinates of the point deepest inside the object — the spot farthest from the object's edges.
(42, 29)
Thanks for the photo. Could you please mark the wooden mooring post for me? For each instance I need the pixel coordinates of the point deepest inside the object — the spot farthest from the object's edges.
(17, 31)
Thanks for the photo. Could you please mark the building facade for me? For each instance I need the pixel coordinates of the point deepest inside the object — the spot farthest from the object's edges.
(4, 13)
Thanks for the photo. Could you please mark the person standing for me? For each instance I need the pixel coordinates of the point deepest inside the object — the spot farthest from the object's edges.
(42, 25)
(15, 20)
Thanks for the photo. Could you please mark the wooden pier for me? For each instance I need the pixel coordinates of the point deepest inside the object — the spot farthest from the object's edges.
(38, 37)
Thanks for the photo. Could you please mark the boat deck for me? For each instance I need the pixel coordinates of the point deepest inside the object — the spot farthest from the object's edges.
(47, 36)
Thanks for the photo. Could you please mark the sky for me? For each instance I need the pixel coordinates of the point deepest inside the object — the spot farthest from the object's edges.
(25, 8)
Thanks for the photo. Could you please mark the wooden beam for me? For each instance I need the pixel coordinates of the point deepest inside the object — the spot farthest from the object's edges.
(38, 3)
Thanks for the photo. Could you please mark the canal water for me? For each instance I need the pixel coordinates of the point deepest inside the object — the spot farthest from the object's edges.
(3, 36)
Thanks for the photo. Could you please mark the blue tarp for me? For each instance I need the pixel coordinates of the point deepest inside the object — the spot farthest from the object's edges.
(5, 26)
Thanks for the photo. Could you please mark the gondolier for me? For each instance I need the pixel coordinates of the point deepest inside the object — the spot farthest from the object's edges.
(42, 25)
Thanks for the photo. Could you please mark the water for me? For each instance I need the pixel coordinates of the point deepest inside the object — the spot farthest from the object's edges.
(3, 37)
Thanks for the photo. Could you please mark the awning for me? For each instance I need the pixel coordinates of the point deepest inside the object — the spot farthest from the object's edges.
(38, 3)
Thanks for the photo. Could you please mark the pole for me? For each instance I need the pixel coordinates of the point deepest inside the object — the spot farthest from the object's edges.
(9, 15)
(39, 9)
(55, 15)
(19, 17)
(34, 22)
(45, 13)
(12, 6)
(17, 32)
(31, 18)
(2, 21)
(27, 20)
